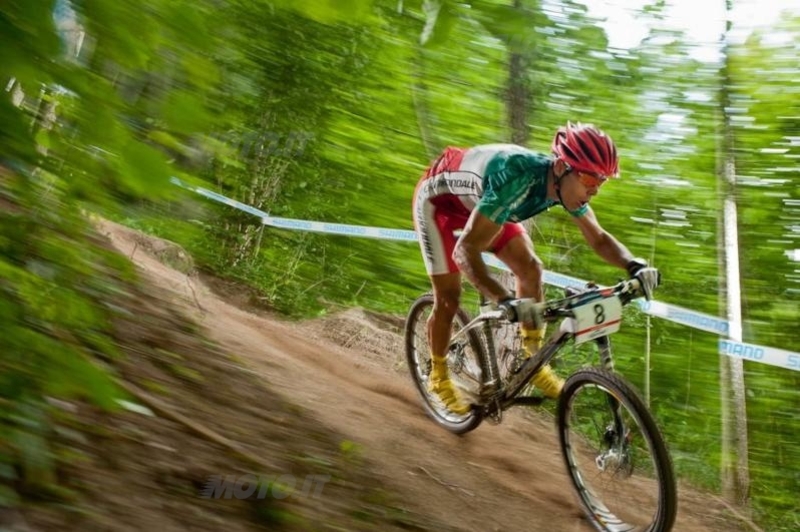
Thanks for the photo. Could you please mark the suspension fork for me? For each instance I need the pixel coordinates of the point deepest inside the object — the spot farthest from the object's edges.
(607, 362)
(604, 346)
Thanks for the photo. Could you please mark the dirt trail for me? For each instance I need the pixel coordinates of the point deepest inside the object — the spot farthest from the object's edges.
(347, 372)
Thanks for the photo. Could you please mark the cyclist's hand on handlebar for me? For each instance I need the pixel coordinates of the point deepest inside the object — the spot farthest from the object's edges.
(649, 278)
(523, 310)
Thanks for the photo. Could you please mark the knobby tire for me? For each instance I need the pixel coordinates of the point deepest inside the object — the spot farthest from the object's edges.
(418, 364)
(600, 513)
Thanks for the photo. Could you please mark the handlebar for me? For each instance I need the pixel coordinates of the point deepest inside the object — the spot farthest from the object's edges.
(627, 290)
(552, 310)
(555, 309)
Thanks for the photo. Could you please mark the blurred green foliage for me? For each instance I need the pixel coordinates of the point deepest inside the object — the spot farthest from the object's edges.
(330, 111)
(78, 112)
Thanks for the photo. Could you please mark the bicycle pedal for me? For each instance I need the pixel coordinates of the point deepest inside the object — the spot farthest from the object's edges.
(494, 419)
(495, 415)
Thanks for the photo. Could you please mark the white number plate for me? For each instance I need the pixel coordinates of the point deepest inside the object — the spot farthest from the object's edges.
(597, 318)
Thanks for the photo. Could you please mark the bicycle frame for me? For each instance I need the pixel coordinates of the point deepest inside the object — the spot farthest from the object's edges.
(604, 427)
(507, 396)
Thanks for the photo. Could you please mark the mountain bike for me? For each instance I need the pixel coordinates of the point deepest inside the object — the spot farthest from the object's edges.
(614, 452)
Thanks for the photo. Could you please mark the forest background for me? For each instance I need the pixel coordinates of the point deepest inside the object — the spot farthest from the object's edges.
(330, 111)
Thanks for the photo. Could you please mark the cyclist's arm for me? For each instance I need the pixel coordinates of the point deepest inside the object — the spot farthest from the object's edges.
(603, 243)
(476, 238)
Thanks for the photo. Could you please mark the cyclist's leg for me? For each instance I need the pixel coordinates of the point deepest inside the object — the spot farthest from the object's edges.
(435, 233)
(515, 248)
(446, 298)
(436, 220)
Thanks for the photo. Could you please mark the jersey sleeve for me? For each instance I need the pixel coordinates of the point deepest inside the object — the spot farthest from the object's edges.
(504, 186)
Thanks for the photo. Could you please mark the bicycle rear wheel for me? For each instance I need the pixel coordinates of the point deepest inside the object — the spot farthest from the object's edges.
(615, 454)
(465, 358)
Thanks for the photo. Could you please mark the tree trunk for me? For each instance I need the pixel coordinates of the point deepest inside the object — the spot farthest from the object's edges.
(418, 96)
(518, 93)
(736, 487)
(727, 446)
(517, 105)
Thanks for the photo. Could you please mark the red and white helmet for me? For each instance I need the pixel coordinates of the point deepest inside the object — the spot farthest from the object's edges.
(587, 149)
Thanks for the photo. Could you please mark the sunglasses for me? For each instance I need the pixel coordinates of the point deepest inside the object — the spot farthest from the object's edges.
(590, 180)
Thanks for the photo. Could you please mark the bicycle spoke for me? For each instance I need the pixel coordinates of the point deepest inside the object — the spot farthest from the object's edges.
(462, 361)
(616, 462)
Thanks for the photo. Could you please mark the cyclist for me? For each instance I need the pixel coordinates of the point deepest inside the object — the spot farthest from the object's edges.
(485, 191)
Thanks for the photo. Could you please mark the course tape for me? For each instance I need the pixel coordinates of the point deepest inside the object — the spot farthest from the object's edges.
(759, 353)
(304, 225)
(673, 313)
(684, 316)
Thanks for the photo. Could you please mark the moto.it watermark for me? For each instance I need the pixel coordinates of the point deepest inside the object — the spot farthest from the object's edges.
(263, 486)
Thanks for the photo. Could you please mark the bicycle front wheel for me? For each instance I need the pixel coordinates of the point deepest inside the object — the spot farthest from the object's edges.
(615, 454)
(464, 360)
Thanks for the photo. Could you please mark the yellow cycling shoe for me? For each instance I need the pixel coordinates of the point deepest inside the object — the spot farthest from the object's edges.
(440, 384)
(545, 379)
(548, 382)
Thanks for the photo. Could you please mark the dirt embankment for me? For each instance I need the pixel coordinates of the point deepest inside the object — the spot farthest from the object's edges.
(329, 397)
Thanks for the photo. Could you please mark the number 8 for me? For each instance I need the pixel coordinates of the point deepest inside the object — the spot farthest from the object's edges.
(599, 314)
